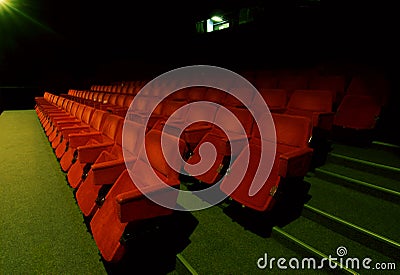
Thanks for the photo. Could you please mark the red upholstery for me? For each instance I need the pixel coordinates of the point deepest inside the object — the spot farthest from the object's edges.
(221, 143)
(265, 80)
(291, 82)
(96, 121)
(75, 119)
(314, 104)
(194, 132)
(371, 84)
(334, 83)
(107, 168)
(85, 119)
(358, 112)
(276, 99)
(75, 140)
(88, 151)
(292, 160)
(125, 204)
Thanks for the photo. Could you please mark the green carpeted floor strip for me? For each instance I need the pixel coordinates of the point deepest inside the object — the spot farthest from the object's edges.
(42, 228)
(310, 249)
(362, 183)
(352, 226)
(386, 144)
(186, 264)
(365, 162)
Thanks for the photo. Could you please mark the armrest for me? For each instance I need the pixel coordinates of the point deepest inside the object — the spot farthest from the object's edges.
(116, 108)
(60, 120)
(89, 153)
(55, 114)
(80, 139)
(107, 172)
(295, 163)
(323, 120)
(199, 128)
(277, 110)
(134, 205)
(65, 131)
(68, 123)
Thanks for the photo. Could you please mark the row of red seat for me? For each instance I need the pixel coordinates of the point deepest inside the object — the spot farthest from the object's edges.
(88, 142)
(90, 151)
(339, 84)
(86, 135)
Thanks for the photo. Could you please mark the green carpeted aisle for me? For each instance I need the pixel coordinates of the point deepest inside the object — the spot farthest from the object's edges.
(42, 229)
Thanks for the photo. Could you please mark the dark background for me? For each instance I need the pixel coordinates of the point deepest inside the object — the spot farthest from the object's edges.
(58, 45)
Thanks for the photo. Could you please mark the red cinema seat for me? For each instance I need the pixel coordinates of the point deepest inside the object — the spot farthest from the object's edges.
(358, 112)
(334, 83)
(88, 135)
(314, 104)
(122, 110)
(95, 124)
(292, 82)
(75, 118)
(89, 146)
(222, 144)
(107, 168)
(292, 160)
(62, 131)
(202, 115)
(125, 204)
(276, 99)
(370, 84)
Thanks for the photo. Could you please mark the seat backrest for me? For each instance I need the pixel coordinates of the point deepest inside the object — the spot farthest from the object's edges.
(106, 98)
(357, 112)
(128, 100)
(70, 105)
(132, 138)
(155, 152)
(311, 100)
(65, 104)
(100, 97)
(371, 84)
(170, 106)
(291, 131)
(74, 108)
(275, 98)
(79, 112)
(199, 112)
(97, 119)
(265, 80)
(291, 82)
(111, 125)
(113, 99)
(247, 96)
(196, 94)
(215, 95)
(334, 83)
(120, 100)
(87, 115)
(95, 96)
(242, 114)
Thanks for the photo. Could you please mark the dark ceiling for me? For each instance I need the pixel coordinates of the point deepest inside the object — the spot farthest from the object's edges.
(46, 40)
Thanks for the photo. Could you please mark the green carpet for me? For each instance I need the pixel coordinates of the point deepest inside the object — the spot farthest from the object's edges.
(42, 228)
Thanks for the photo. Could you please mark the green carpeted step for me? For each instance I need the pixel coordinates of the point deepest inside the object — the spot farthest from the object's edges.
(329, 242)
(353, 177)
(374, 214)
(370, 239)
(220, 245)
(375, 153)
